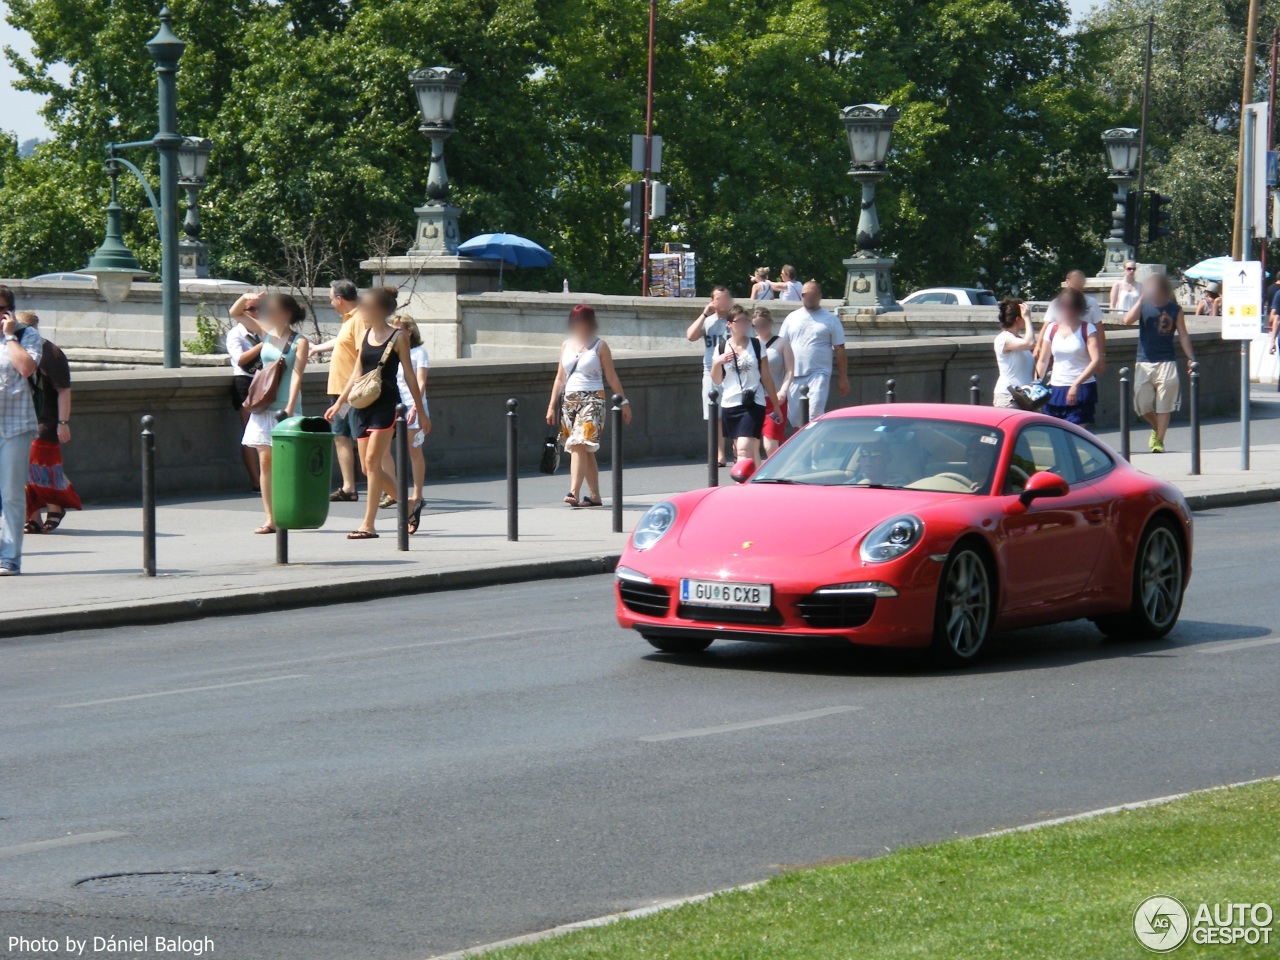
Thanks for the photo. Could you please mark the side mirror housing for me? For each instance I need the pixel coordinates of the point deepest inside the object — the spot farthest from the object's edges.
(1042, 484)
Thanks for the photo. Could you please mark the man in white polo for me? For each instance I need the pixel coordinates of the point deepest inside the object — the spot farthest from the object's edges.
(816, 336)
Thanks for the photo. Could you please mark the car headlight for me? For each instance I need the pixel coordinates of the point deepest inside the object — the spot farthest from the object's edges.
(654, 525)
(891, 539)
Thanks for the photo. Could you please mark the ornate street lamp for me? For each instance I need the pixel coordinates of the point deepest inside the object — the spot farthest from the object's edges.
(1123, 147)
(113, 264)
(869, 127)
(193, 160)
(437, 89)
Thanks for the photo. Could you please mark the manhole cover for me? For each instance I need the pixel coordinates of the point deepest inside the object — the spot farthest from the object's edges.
(176, 883)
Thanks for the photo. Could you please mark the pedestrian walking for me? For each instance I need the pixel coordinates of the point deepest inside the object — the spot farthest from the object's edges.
(1125, 292)
(1075, 280)
(345, 347)
(278, 316)
(48, 488)
(577, 402)
(816, 336)
(1015, 350)
(1156, 391)
(761, 288)
(418, 429)
(787, 287)
(781, 360)
(711, 327)
(373, 381)
(743, 374)
(244, 347)
(19, 359)
(1072, 345)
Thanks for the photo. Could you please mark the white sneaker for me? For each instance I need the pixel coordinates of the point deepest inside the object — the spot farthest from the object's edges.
(9, 572)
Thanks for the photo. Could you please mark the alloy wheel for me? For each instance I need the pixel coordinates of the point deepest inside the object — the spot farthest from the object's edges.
(967, 604)
(1160, 582)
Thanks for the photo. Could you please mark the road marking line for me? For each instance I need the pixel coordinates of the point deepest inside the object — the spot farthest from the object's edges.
(174, 693)
(1238, 645)
(747, 724)
(662, 905)
(73, 840)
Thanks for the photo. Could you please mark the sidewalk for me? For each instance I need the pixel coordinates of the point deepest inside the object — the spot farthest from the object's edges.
(88, 573)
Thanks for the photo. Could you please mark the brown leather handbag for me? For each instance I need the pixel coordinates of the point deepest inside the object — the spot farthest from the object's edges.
(265, 385)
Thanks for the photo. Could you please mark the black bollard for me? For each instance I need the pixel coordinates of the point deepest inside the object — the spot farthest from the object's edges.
(1126, 404)
(1195, 418)
(401, 440)
(804, 404)
(889, 395)
(713, 438)
(615, 415)
(282, 535)
(513, 473)
(975, 390)
(148, 496)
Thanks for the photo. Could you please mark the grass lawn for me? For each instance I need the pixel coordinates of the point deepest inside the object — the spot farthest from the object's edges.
(1060, 892)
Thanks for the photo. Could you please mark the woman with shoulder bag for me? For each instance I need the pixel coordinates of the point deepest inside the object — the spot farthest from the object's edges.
(577, 402)
(373, 391)
(742, 374)
(1074, 346)
(278, 316)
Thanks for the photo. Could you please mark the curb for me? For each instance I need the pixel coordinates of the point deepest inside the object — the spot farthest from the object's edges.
(1233, 498)
(174, 609)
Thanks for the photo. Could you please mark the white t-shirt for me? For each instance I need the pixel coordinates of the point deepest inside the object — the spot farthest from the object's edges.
(714, 329)
(1093, 314)
(418, 357)
(791, 291)
(812, 335)
(1070, 354)
(239, 342)
(745, 377)
(1016, 367)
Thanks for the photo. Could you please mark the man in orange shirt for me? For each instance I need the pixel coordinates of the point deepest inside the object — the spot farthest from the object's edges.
(346, 348)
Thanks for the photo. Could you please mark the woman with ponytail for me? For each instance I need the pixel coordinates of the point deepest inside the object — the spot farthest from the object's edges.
(275, 316)
(1015, 349)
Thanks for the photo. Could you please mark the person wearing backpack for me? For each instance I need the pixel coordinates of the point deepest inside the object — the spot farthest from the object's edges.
(19, 357)
(47, 483)
(278, 316)
(742, 374)
(781, 360)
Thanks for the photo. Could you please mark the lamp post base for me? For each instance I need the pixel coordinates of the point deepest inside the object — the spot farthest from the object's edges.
(1115, 254)
(868, 285)
(193, 259)
(437, 233)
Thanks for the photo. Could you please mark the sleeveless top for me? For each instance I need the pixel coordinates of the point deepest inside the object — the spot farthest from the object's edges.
(777, 362)
(766, 291)
(586, 375)
(370, 354)
(1070, 353)
(742, 376)
(269, 355)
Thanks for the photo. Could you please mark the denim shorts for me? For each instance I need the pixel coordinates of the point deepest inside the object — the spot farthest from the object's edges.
(344, 426)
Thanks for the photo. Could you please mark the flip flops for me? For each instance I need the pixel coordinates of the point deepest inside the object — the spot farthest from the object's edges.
(362, 535)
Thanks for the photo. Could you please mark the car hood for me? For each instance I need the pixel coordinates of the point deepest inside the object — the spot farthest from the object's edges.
(793, 521)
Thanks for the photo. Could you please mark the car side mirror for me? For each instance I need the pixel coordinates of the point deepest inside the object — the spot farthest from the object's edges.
(1042, 484)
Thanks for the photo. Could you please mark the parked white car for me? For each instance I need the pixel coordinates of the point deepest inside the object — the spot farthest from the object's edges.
(950, 297)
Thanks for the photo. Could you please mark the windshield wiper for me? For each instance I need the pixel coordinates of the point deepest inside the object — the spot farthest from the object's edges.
(873, 486)
(801, 483)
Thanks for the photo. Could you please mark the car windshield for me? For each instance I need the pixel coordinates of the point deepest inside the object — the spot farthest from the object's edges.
(946, 456)
(985, 298)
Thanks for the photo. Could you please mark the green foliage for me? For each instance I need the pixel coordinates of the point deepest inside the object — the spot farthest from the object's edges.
(211, 333)
(996, 176)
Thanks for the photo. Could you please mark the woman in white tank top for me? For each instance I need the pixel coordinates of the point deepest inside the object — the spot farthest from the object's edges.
(1072, 343)
(577, 402)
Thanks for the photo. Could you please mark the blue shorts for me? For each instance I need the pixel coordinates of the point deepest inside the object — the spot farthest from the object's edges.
(1081, 412)
(344, 426)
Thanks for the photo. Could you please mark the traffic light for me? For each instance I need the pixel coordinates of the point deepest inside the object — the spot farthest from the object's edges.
(657, 199)
(634, 207)
(1132, 218)
(1157, 216)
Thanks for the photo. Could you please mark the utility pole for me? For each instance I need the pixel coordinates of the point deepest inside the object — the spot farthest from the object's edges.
(1271, 125)
(1246, 97)
(648, 153)
(1142, 137)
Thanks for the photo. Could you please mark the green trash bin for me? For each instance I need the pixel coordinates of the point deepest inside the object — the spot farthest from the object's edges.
(301, 464)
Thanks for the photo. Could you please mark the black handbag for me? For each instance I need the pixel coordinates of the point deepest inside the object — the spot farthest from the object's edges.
(551, 450)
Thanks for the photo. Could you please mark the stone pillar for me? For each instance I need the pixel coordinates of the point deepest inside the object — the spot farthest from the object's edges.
(432, 286)
(868, 287)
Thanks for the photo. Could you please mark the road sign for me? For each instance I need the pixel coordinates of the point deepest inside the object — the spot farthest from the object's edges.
(637, 153)
(1242, 300)
(1273, 168)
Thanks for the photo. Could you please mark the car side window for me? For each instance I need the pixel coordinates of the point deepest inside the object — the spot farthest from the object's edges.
(949, 299)
(1038, 447)
(1090, 459)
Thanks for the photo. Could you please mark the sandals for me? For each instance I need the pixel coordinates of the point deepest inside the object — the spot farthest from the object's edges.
(387, 501)
(590, 502)
(265, 528)
(362, 535)
(571, 499)
(33, 526)
(52, 521)
(415, 517)
(342, 496)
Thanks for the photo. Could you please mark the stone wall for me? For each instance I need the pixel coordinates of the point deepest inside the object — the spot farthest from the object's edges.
(198, 433)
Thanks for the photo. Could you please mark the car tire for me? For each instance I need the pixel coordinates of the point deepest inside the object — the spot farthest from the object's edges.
(965, 607)
(684, 645)
(1159, 584)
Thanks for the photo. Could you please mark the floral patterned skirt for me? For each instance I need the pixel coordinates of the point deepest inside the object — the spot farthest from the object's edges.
(582, 420)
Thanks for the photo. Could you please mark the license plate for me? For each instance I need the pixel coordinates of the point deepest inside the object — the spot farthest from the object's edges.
(718, 593)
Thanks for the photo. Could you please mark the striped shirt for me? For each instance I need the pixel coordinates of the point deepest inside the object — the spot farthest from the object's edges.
(17, 408)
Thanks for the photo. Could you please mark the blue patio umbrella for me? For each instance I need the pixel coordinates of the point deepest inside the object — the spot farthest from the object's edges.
(1211, 269)
(506, 248)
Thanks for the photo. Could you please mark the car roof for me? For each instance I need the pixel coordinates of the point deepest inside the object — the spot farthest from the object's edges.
(964, 413)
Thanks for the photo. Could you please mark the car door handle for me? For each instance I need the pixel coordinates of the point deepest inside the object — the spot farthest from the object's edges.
(1095, 514)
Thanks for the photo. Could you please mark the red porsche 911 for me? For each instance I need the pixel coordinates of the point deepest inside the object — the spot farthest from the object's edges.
(913, 525)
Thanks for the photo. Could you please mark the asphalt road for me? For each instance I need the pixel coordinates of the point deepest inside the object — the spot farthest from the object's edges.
(417, 775)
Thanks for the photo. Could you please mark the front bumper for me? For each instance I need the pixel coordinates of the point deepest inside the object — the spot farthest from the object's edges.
(800, 610)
